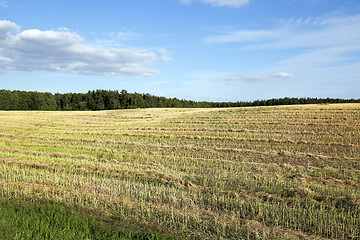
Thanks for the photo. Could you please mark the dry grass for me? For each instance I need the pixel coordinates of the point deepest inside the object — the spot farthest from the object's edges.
(285, 172)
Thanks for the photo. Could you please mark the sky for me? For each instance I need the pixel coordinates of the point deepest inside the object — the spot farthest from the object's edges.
(202, 50)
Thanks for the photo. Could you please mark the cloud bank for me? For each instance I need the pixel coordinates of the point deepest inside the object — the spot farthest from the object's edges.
(65, 51)
(259, 78)
(222, 3)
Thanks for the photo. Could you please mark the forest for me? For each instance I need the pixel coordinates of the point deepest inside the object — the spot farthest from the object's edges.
(109, 100)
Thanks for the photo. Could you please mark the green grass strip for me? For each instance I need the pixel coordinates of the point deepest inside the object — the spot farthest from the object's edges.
(22, 220)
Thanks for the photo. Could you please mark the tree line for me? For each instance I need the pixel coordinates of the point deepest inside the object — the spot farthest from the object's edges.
(110, 100)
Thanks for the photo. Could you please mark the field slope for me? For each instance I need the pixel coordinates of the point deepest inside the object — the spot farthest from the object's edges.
(287, 172)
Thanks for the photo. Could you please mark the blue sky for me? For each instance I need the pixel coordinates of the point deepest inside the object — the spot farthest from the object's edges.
(213, 50)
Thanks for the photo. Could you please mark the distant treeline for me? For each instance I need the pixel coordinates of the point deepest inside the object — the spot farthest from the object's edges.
(109, 100)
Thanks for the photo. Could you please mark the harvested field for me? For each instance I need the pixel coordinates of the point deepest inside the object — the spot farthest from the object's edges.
(285, 172)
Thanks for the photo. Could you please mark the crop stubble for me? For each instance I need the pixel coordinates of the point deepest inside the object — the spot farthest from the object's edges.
(264, 172)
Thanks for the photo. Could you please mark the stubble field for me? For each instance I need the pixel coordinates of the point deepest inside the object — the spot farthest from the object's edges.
(286, 172)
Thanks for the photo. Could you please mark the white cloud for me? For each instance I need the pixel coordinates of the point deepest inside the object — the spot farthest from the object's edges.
(221, 3)
(282, 75)
(113, 39)
(165, 54)
(6, 27)
(242, 36)
(259, 78)
(321, 45)
(65, 51)
(297, 33)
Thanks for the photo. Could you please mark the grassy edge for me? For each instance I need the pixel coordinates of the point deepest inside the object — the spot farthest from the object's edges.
(34, 220)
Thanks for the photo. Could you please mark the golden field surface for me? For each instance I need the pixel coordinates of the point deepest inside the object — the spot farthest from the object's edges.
(285, 172)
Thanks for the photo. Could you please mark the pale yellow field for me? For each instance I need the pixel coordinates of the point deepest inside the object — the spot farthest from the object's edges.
(286, 172)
